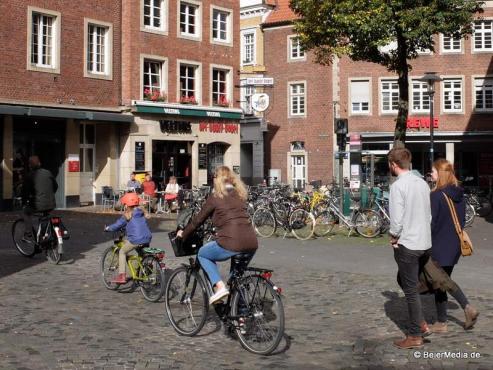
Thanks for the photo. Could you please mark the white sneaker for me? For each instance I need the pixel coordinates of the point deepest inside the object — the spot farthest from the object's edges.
(221, 293)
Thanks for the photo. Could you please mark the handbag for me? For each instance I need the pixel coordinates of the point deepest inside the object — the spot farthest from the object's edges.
(466, 247)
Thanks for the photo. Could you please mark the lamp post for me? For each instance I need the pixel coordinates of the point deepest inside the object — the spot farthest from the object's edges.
(430, 78)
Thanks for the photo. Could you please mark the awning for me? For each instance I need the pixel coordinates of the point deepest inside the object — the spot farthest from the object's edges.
(187, 110)
(20, 110)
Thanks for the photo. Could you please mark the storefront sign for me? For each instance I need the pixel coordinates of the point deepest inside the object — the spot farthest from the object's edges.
(202, 156)
(140, 156)
(73, 163)
(260, 102)
(175, 127)
(421, 122)
(218, 127)
(189, 112)
(260, 81)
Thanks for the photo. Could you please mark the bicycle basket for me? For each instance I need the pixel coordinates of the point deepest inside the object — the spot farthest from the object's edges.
(188, 247)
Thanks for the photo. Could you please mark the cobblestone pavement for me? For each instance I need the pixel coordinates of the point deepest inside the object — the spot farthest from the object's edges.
(61, 317)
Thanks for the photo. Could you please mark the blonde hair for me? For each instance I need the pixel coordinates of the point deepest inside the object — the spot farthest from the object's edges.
(446, 174)
(130, 210)
(224, 176)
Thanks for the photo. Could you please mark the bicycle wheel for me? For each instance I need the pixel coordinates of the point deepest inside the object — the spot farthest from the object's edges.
(470, 215)
(302, 224)
(152, 275)
(484, 207)
(368, 223)
(26, 248)
(109, 267)
(264, 222)
(186, 301)
(260, 315)
(324, 223)
(52, 251)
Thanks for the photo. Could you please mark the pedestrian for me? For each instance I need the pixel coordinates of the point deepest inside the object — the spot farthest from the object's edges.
(445, 241)
(410, 232)
(137, 230)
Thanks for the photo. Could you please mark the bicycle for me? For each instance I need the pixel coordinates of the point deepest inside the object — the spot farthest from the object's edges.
(146, 269)
(253, 310)
(48, 237)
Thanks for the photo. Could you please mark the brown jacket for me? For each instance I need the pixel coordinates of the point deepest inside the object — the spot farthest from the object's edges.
(233, 228)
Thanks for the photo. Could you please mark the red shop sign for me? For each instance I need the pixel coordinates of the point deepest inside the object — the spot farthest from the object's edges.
(421, 122)
(73, 166)
(218, 127)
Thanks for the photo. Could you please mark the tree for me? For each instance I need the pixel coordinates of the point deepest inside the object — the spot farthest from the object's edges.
(364, 29)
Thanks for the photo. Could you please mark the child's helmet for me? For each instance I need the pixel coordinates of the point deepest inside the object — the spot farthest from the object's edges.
(130, 199)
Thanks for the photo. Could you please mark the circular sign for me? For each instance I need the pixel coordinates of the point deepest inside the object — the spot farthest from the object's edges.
(260, 102)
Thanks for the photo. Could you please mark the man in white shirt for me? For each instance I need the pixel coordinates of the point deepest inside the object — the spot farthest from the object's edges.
(410, 231)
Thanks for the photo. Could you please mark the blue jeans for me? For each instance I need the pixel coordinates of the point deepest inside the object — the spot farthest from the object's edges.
(208, 255)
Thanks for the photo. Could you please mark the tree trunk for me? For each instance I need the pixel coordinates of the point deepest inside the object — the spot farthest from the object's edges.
(402, 69)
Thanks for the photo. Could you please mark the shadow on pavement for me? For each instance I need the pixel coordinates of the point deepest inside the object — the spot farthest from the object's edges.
(86, 231)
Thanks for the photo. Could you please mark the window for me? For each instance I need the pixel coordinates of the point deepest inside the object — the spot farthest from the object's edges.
(87, 140)
(421, 100)
(248, 48)
(390, 96)
(43, 40)
(483, 89)
(360, 97)
(96, 49)
(452, 95)
(483, 31)
(153, 80)
(98, 55)
(154, 15)
(298, 171)
(246, 93)
(297, 99)
(451, 44)
(295, 50)
(221, 28)
(189, 19)
(189, 84)
(219, 87)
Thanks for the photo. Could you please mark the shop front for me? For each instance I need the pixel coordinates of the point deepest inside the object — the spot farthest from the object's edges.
(184, 141)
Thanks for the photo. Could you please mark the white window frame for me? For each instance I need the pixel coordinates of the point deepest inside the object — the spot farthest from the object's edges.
(253, 32)
(197, 36)
(163, 30)
(453, 89)
(291, 156)
(246, 93)
(391, 91)
(229, 82)
(54, 67)
(197, 79)
(452, 41)
(229, 26)
(108, 49)
(473, 37)
(423, 92)
(474, 79)
(360, 112)
(164, 72)
(290, 58)
(299, 96)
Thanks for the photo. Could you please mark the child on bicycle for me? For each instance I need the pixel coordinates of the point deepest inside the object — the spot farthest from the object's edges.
(138, 232)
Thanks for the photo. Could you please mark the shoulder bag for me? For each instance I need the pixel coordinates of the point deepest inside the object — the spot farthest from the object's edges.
(466, 248)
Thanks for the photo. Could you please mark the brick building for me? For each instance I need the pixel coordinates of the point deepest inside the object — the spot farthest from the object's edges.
(300, 122)
(59, 94)
(180, 75)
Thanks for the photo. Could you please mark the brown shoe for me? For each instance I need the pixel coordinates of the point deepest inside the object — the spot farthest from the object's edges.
(425, 329)
(409, 342)
(439, 327)
(471, 316)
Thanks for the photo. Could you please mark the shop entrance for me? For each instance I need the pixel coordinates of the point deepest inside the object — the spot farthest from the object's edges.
(215, 158)
(172, 158)
(44, 137)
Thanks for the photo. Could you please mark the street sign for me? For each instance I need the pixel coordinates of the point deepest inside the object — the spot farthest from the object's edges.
(260, 81)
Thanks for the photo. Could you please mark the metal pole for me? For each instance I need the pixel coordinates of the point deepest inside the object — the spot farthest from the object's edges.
(341, 182)
(432, 150)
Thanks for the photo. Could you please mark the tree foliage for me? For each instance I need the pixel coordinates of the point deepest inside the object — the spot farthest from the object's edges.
(363, 30)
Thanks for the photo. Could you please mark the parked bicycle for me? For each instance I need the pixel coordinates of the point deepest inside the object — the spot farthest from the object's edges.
(146, 268)
(47, 238)
(253, 310)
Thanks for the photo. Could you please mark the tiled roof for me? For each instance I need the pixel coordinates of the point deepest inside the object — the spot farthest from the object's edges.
(282, 13)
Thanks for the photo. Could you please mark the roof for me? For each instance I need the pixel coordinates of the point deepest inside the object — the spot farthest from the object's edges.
(282, 13)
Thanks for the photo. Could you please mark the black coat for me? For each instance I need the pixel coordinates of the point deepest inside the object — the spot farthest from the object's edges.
(39, 189)
(445, 242)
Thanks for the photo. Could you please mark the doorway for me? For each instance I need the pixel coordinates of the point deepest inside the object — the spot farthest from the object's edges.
(215, 158)
(298, 171)
(172, 158)
(87, 157)
(246, 161)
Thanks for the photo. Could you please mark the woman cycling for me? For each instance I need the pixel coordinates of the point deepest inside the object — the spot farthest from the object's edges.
(234, 232)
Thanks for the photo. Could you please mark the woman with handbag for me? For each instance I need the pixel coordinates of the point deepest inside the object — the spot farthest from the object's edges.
(448, 219)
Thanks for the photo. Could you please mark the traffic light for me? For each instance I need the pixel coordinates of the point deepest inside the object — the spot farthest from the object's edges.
(341, 142)
(341, 126)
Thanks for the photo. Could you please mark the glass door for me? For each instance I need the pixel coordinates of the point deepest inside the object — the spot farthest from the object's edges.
(298, 171)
